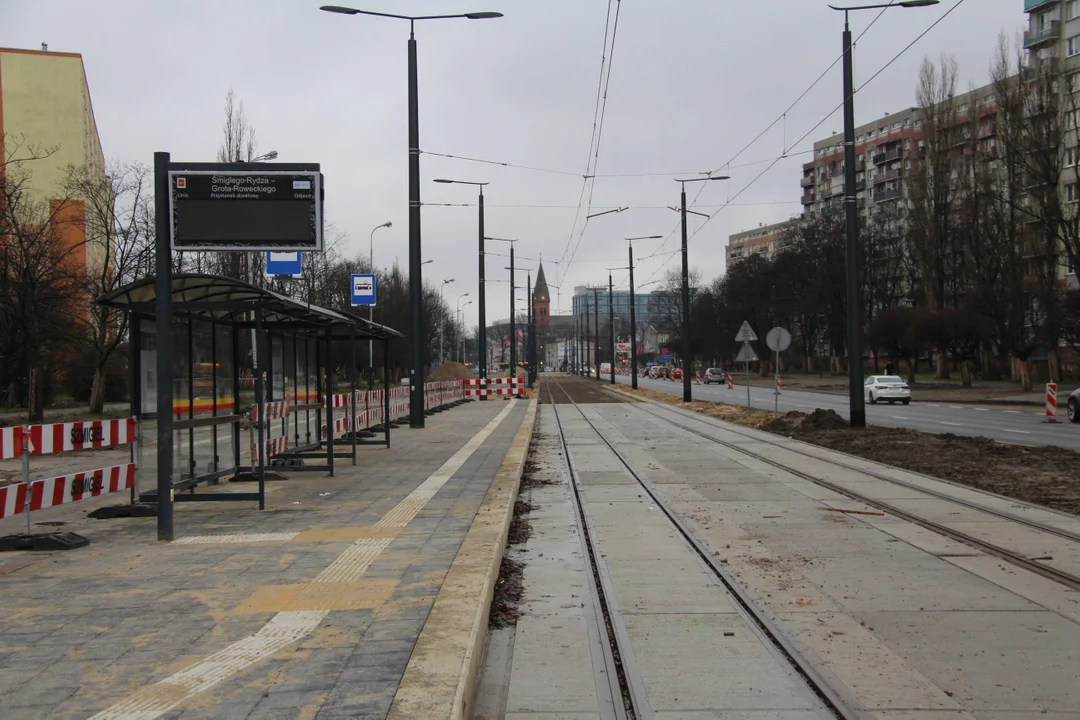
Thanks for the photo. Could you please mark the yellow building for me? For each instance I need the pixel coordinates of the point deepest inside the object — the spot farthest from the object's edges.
(45, 104)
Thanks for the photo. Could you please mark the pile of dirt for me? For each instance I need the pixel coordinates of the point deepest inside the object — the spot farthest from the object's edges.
(520, 530)
(508, 591)
(451, 371)
(1042, 475)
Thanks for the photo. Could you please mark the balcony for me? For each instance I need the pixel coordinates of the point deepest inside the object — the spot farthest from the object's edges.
(889, 155)
(1050, 33)
(1030, 5)
(836, 172)
(886, 176)
(887, 195)
(807, 181)
(808, 199)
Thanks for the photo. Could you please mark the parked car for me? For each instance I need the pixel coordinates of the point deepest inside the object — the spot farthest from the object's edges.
(886, 387)
(1073, 407)
(676, 373)
(714, 375)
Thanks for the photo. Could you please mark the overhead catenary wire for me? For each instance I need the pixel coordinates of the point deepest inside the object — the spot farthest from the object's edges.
(821, 122)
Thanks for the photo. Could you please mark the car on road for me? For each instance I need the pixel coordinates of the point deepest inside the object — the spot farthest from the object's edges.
(676, 374)
(1072, 409)
(714, 375)
(889, 388)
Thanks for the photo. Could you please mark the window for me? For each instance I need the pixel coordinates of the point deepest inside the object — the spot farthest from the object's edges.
(907, 144)
(1072, 156)
(1072, 9)
(1072, 46)
(1071, 194)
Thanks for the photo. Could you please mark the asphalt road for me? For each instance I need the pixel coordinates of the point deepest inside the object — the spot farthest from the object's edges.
(1021, 425)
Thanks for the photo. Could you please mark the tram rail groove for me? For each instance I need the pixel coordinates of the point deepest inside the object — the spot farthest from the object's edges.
(832, 693)
(1060, 576)
(631, 692)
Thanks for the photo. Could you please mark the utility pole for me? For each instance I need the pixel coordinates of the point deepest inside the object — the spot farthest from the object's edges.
(596, 328)
(611, 323)
(633, 323)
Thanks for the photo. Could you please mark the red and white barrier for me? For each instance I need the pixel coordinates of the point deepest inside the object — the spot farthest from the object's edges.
(66, 437)
(65, 489)
(501, 386)
(11, 442)
(730, 384)
(273, 410)
(1051, 403)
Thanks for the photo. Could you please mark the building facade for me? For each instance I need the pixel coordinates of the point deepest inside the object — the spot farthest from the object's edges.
(765, 241)
(45, 109)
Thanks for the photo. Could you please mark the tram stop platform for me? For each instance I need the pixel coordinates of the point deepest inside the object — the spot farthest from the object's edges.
(363, 595)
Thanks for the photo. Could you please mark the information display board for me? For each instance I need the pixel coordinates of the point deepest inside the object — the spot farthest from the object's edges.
(221, 207)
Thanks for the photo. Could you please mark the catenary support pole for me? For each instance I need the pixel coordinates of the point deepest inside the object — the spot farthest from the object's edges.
(416, 281)
(611, 323)
(856, 410)
(163, 289)
(633, 324)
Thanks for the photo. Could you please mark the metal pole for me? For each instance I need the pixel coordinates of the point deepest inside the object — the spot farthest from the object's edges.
(685, 306)
(529, 330)
(585, 337)
(416, 282)
(611, 323)
(371, 318)
(857, 410)
(596, 329)
(481, 341)
(513, 330)
(633, 324)
(776, 379)
(163, 290)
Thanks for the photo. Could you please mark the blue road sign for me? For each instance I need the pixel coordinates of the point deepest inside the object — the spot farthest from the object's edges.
(283, 263)
(665, 358)
(363, 290)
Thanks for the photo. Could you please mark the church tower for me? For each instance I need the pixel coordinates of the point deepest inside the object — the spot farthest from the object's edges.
(541, 300)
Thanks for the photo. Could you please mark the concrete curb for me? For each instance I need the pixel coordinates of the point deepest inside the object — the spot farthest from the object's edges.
(440, 680)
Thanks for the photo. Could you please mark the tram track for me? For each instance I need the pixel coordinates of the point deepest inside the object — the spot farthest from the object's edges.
(1061, 576)
(630, 682)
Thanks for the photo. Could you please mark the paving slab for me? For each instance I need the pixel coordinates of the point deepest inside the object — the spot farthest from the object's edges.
(320, 619)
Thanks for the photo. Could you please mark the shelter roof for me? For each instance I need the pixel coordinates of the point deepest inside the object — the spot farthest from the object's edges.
(215, 298)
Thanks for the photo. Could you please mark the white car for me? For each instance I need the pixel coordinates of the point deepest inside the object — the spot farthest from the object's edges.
(889, 388)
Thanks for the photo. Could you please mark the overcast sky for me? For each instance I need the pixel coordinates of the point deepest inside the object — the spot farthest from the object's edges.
(692, 82)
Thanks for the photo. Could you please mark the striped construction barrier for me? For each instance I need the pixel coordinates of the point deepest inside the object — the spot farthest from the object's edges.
(272, 447)
(1051, 403)
(65, 489)
(65, 437)
(273, 410)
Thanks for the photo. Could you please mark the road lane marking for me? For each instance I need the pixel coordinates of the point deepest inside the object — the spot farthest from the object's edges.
(287, 627)
(897, 417)
(1022, 432)
(982, 409)
(951, 423)
(1017, 412)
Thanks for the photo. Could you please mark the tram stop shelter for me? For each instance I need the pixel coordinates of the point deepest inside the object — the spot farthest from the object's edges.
(239, 348)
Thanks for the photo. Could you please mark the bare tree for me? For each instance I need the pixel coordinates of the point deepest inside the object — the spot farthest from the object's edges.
(41, 279)
(119, 221)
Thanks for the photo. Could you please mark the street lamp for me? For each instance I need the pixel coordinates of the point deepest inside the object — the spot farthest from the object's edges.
(481, 340)
(416, 283)
(513, 288)
(856, 409)
(686, 284)
(457, 312)
(371, 308)
(272, 155)
(633, 307)
(442, 320)
(461, 322)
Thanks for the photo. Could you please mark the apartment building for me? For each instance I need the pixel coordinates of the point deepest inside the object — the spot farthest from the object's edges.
(45, 104)
(883, 150)
(764, 240)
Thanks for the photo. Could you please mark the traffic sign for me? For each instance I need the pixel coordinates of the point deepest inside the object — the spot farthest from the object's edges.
(216, 206)
(284, 263)
(363, 290)
(746, 333)
(746, 354)
(778, 339)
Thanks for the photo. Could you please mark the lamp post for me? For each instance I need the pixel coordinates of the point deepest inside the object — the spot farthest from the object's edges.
(442, 320)
(456, 313)
(416, 283)
(611, 322)
(371, 309)
(481, 340)
(686, 284)
(513, 289)
(633, 307)
(596, 328)
(461, 322)
(856, 409)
